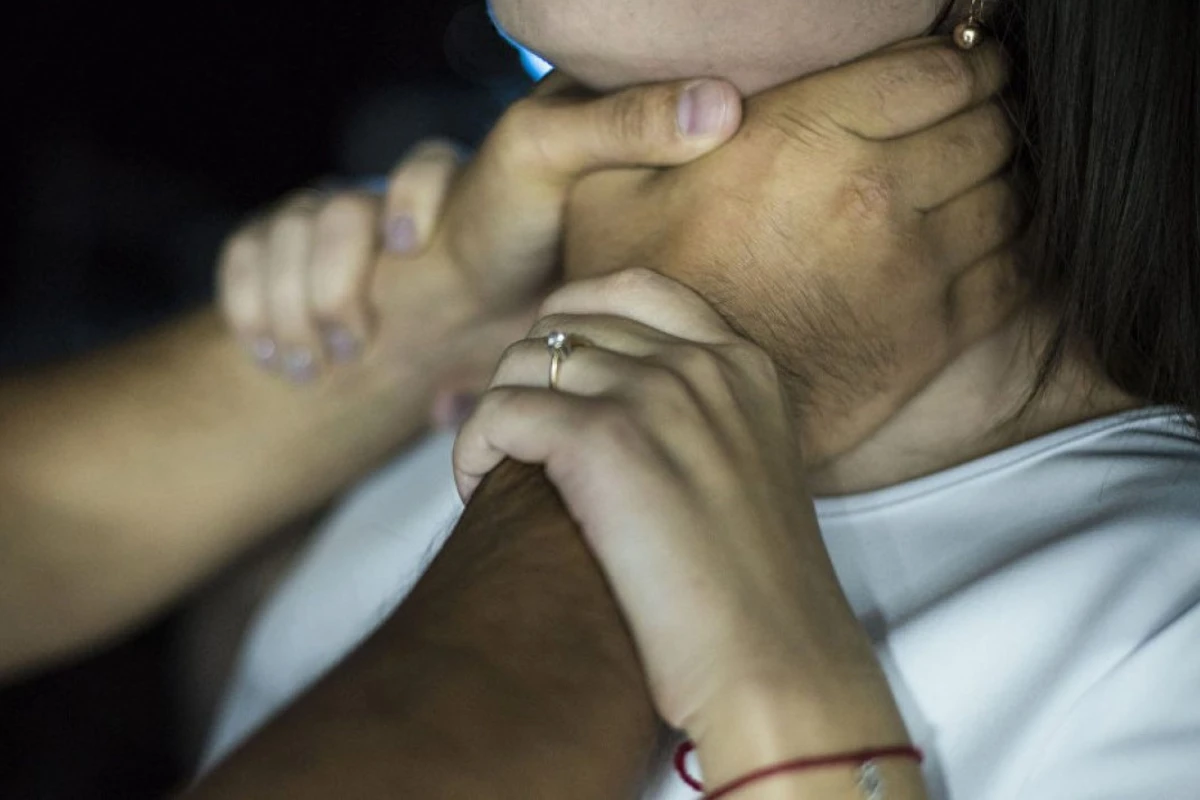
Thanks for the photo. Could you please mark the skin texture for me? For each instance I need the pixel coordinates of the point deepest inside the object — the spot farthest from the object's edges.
(752, 264)
(755, 44)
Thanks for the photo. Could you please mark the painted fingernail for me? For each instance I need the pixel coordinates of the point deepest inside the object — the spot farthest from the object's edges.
(343, 346)
(299, 365)
(401, 234)
(461, 407)
(703, 109)
(264, 351)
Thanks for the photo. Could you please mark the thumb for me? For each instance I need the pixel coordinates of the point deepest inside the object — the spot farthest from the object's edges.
(503, 223)
(658, 125)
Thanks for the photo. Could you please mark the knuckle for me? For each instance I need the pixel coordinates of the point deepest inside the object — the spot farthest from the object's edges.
(512, 353)
(333, 300)
(867, 197)
(946, 71)
(699, 364)
(666, 384)
(628, 118)
(754, 358)
(518, 136)
(802, 125)
(631, 281)
(611, 424)
(548, 323)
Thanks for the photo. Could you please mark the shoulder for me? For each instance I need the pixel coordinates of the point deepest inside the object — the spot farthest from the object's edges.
(1135, 732)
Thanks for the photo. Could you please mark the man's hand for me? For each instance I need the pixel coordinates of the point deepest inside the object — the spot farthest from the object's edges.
(420, 711)
(858, 228)
(313, 282)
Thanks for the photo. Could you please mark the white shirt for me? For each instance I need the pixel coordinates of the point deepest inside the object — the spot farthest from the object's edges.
(1037, 611)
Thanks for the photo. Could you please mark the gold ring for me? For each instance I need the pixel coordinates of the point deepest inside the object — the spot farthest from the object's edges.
(559, 344)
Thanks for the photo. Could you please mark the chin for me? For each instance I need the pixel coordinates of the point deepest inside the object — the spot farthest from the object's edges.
(754, 44)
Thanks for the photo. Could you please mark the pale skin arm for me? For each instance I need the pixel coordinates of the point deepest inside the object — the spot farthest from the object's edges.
(127, 477)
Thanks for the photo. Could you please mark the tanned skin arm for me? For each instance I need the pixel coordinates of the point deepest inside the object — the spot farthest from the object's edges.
(508, 673)
(128, 476)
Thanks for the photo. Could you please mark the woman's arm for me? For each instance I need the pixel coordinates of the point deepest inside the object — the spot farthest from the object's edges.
(128, 476)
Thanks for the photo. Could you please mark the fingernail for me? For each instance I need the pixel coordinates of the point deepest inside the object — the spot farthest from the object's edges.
(264, 351)
(401, 234)
(703, 109)
(299, 365)
(462, 407)
(342, 345)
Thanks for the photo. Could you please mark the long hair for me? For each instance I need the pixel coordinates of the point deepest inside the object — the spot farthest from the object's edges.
(1109, 91)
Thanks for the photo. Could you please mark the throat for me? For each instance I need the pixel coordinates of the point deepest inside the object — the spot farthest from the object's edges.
(978, 405)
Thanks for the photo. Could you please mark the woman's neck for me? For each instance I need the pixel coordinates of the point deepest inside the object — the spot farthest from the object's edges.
(971, 410)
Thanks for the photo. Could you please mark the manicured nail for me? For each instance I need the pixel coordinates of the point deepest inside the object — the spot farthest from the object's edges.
(264, 351)
(401, 234)
(703, 109)
(299, 364)
(461, 407)
(343, 346)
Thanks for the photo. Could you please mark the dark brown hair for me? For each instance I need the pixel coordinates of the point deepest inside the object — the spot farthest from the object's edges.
(1109, 91)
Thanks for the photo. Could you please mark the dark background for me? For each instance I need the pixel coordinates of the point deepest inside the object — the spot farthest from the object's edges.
(138, 135)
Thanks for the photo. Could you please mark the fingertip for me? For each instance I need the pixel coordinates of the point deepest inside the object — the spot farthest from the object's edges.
(341, 343)
(708, 111)
(450, 409)
(262, 349)
(401, 234)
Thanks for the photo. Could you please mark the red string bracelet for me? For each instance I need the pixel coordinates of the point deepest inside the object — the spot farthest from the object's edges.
(858, 759)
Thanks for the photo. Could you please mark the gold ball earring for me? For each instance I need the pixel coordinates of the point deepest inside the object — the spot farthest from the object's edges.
(970, 33)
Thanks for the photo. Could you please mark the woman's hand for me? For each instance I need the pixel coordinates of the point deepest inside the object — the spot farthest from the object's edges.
(673, 448)
(312, 283)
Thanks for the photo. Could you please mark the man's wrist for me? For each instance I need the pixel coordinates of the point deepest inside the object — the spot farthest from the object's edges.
(427, 319)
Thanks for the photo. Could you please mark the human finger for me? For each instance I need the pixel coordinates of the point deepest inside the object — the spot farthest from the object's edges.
(503, 223)
(289, 251)
(590, 369)
(458, 390)
(950, 158)
(655, 125)
(416, 192)
(646, 297)
(242, 293)
(521, 423)
(899, 92)
(975, 224)
(344, 250)
(984, 298)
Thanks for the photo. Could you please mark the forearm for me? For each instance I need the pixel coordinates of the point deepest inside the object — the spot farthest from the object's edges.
(851, 712)
(128, 476)
(507, 674)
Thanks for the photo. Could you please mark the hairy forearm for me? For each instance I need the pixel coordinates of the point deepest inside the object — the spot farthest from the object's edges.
(508, 673)
(128, 476)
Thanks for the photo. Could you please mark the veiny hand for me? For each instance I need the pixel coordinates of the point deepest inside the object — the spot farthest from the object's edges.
(858, 228)
(313, 281)
(673, 448)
